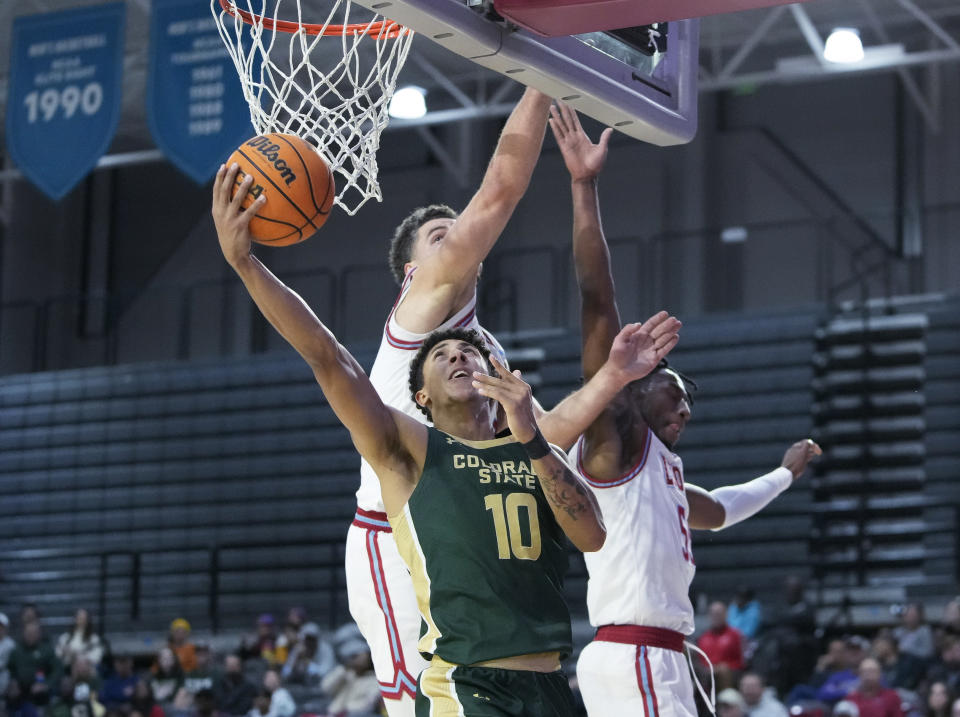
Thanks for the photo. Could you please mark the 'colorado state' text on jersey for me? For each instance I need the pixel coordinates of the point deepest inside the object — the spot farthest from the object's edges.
(485, 553)
(389, 375)
(642, 574)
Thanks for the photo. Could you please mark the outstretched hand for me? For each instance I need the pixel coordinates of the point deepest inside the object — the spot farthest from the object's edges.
(799, 455)
(514, 395)
(583, 158)
(229, 217)
(638, 348)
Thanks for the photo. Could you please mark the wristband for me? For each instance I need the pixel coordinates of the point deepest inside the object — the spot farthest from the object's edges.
(537, 447)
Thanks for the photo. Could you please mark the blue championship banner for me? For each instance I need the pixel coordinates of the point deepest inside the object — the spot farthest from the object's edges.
(195, 105)
(66, 71)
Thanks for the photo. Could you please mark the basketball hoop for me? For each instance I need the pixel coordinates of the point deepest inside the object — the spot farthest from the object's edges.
(336, 98)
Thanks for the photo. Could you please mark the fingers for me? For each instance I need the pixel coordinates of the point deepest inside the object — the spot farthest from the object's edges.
(218, 183)
(662, 325)
(655, 320)
(506, 391)
(813, 448)
(667, 347)
(605, 138)
(504, 374)
(242, 190)
(570, 117)
(557, 125)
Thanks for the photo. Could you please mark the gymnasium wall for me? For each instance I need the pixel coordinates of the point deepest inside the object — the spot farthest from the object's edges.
(813, 172)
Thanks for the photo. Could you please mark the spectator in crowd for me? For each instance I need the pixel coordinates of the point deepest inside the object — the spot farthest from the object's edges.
(81, 640)
(274, 700)
(179, 641)
(352, 685)
(261, 704)
(870, 696)
(34, 665)
(896, 672)
(950, 624)
(840, 682)
(167, 676)
(730, 703)
(759, 700)
(16, 703)
(947, 669)
(263, 644)
(76, 699)
(955, 708)
(141, 702)
(938, 700)
(83, 672)
(914, 636)
(203, 676)
(6, 647)
(118, 688)
(833, 660)
(723, 645)
(233, 692)
(288, 639)
(29, 612)
(205, 704)
(786, 647)
(311, 659)
(744, 613)
(846, 708)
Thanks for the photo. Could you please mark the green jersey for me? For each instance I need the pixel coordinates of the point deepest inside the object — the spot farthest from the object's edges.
(485, 552)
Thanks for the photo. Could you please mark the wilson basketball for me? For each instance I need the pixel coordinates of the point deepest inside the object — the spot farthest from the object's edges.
(298, 183)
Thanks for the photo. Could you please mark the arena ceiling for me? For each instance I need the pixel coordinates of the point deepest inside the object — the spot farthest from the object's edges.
(742, 50)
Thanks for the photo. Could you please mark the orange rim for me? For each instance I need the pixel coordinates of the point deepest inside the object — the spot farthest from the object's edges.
(387, 29)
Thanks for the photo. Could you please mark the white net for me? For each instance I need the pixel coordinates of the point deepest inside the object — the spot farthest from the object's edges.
(332, 91)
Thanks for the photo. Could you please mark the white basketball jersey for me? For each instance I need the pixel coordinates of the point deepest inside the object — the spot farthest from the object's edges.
(390, 375)
(642, 574)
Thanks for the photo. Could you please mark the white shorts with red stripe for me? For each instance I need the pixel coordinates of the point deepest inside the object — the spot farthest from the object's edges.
(383, 605)
(643, 673)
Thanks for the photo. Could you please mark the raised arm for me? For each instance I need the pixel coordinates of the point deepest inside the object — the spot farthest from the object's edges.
(599, 317)
(574, 507)
(504, 183)
(636, 351)
(729, 505)
(393, 443)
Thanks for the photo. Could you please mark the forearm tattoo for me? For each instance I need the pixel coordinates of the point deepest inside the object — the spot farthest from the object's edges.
(565, 492)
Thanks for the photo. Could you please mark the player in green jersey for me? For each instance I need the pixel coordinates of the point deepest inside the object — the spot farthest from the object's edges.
(502, 580)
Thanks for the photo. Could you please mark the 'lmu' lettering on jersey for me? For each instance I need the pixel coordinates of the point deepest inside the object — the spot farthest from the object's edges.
(269, 151)
(673, 475)
(515, 472)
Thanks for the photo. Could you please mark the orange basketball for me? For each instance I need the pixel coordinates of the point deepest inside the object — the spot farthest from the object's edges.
(298, 183)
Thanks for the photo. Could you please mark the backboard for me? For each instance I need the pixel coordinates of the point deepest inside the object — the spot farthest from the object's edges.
(554, 18)
(643, 83)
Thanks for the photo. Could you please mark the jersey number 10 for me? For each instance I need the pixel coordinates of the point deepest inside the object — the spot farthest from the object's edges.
(506, 523)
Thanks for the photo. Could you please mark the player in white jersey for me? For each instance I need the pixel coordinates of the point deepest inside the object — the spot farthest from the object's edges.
(436, 256)
(638, 587)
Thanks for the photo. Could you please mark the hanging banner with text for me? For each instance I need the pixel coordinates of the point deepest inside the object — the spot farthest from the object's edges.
(195, 105)
(63, 103)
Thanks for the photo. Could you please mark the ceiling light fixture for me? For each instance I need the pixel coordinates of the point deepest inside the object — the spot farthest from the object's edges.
(843, 46)
(408, 103)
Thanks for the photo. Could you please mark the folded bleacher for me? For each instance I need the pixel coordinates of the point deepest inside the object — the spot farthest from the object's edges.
(220, 489)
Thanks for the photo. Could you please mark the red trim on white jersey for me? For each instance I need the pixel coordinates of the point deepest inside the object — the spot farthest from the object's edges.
(625, 478)
(413, 345)
(403, 682)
